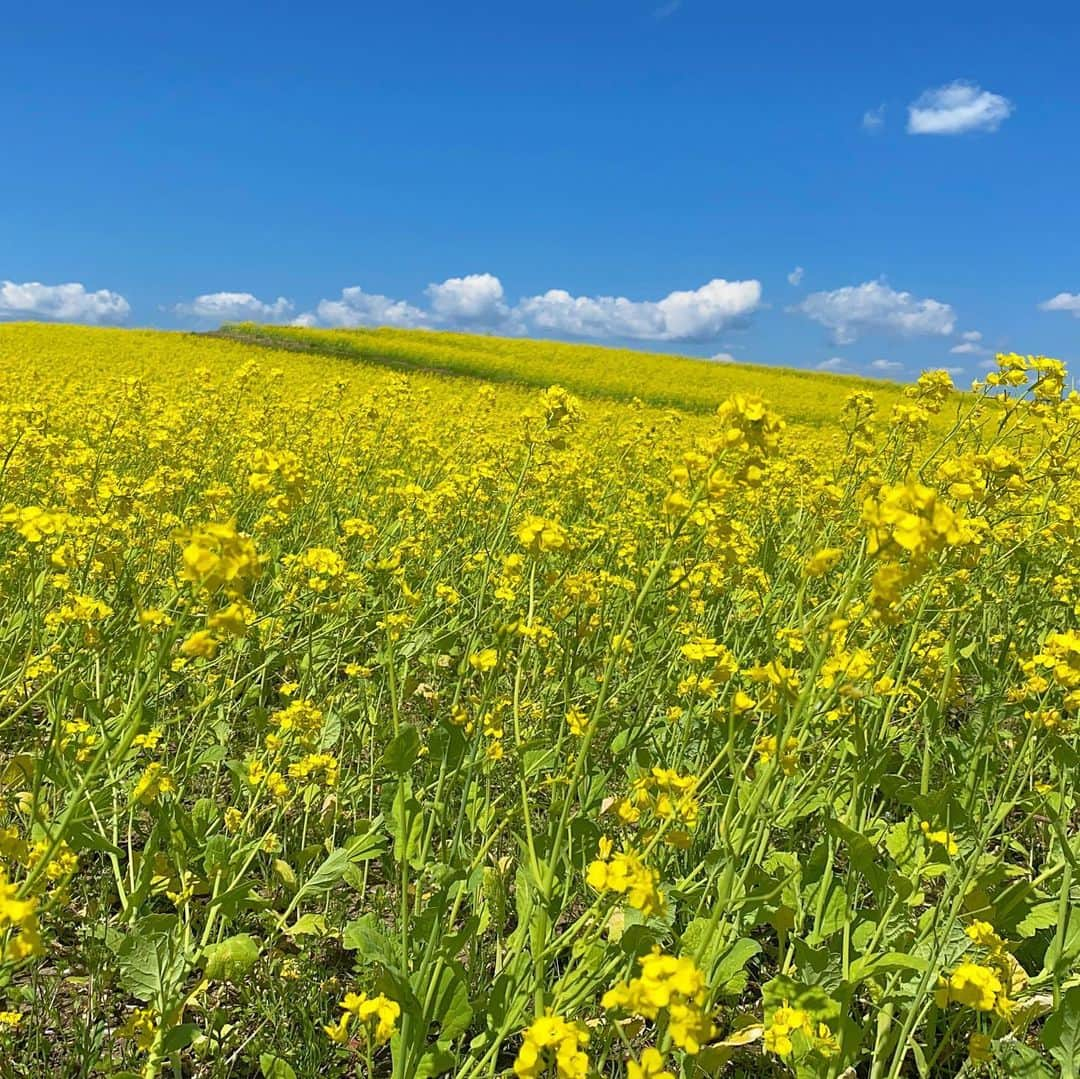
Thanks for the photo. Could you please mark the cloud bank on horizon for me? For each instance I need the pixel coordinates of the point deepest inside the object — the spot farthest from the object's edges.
(477, 302)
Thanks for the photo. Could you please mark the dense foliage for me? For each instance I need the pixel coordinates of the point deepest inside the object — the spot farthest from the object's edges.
(362, 723)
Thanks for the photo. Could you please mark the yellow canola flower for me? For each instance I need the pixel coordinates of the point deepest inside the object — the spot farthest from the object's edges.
(671, 983)
(551, 1037)
(974, 986)
(377, 1016)
(625, 874)
(940, 837)
(215, 555)
(539, 535)
(651, 1066)
(785, 1022)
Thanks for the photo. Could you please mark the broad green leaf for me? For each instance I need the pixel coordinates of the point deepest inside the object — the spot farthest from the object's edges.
(232, 959)
(812, 999)
(150, 960)
(729, 975)
(365, 845)
(1061, 1033)
(1040, 916)
(865, 857)
(307, 925)
(216, 855)
(437, 1060)
(274, 1067)
(1021, 1061)
(180, 1037)
(365, 936)
(450, 1001)
(405, 822)
(402, 751)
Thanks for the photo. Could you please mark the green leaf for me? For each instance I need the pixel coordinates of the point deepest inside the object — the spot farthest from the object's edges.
(180, 1037)
(453, 1012)
(211, 755)
(332, 870)
(274, 1067)
(1021, 1061)
(401, 753)
(284, 873)
(365, 936)
(216, 855)
(835, 911)
(232, 959)
(1040, 916)
(365, 846)
(1063, 951)
(1061, 1033)
(436, 1061)
(150, 959)
(812, 999)
(866, 966)
(729, 975)
(307, 925)
(865, 857)
(407, 840)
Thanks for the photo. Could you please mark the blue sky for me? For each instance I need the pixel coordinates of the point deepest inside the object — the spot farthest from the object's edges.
(921, 169)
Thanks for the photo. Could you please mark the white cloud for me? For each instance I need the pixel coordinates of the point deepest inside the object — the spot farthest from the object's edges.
(873, 120)
(478, 301)
(475, 298)
(1063, 301)
(679, 316)
(796, 276)
(234, 306)
(61, 303)
(834, 363)
(956, 108)
(969, 345)
(885, 365)
(359, 308)
(723, 357)
(875, 307)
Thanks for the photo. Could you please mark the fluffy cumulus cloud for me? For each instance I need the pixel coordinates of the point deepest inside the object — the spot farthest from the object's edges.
(478, 301)
(236, 307)
(61, 303)
(957, 108)
(1063, 301)
(874, 307)
(680, 316)
(356, 307)
(885, 365)
(796, 276)
(476, 298)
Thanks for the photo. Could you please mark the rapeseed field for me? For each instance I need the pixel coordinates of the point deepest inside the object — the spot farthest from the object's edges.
(572, 719)
(691, 385)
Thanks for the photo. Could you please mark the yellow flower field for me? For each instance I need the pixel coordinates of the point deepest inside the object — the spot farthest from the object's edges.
(367, 711)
